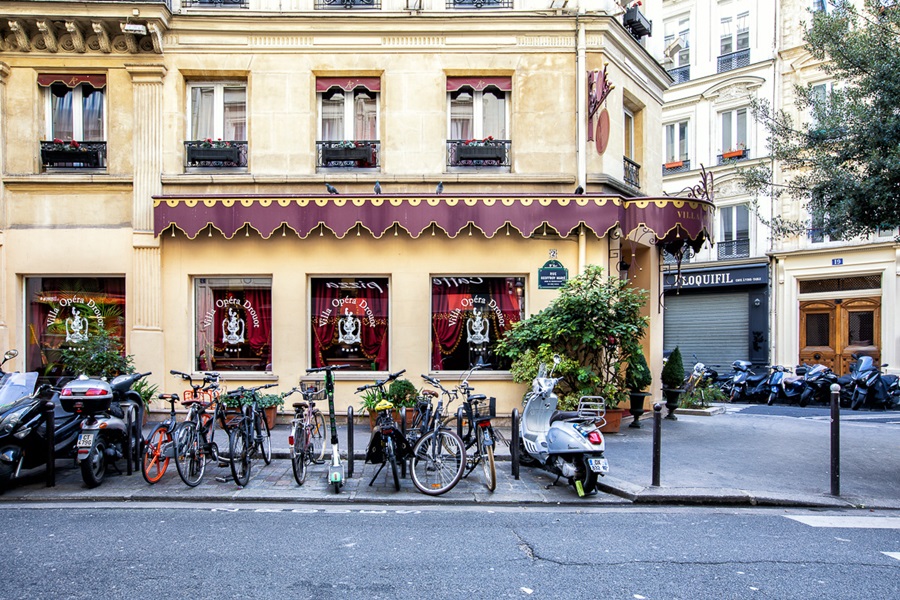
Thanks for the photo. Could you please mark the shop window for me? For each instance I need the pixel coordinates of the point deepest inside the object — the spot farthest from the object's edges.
(468, 317)
(233, 324)
(349, 322)
(64, 311)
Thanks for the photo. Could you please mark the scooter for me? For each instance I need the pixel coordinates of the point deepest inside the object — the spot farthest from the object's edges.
(23, 424)
(818, 380)
(567, 444)
(336, 473)
(870, 388)
(783, 387)
(746, 386)
(111, 430)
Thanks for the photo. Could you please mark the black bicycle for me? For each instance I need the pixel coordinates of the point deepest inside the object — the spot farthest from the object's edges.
(307, 437)
(479, 433)
(195, 437)
(250, 435)
(439, 455)
(387, 446)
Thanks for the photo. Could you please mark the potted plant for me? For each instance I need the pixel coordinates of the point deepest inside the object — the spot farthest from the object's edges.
(637, 378)
(736, 152)
(486, 149)
(672, 380)
(402, 393)
(59, 152)
(210, 150)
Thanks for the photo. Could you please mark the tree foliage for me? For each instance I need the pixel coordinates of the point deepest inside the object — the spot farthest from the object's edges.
(594, 324)
(844, 164)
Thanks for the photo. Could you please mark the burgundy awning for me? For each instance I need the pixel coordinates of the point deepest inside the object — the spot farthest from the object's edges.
(348, 84)
(479, 83)
(69, 80)
(675, 218)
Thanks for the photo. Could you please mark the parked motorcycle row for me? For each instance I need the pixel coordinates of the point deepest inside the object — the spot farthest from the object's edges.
(98, 424)
(866, 387)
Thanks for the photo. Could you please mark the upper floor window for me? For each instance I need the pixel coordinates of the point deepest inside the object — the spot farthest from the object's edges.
(478, 121)
(734, 241)
(348, 108)
(218, 111)
(734, 133)
(735, 35)
(75, 106)
(820, 5)
(679, 29)
(677, 142)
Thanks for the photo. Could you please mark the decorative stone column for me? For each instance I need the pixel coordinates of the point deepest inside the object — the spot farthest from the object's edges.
(145, 300)
(4, 73)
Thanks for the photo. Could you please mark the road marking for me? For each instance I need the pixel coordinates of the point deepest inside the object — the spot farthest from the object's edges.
(895, 555)
(844, 522)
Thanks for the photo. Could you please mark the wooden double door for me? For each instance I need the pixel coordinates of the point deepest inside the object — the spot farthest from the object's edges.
(832, 330)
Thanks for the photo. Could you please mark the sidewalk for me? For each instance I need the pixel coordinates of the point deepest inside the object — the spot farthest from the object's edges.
(735, 457)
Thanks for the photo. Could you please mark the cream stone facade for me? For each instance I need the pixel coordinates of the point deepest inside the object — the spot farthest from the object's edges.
(175, 241)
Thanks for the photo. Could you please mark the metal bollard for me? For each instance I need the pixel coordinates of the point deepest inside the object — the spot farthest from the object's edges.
(350, 441)
(48, 409)
(835, 440)
(657, 437)
(514, 443)
(129, 441)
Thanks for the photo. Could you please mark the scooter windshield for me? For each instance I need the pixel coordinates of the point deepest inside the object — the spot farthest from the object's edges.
(15, 387)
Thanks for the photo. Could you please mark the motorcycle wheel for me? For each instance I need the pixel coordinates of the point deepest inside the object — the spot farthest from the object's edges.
(6, 475)
(93, 468)
(587, 478)
(805, 397)
(859, 398)
(771, 399)
(526, 459)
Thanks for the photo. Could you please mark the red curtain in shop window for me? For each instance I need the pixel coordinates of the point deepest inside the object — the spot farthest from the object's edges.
(259, 336)
(447, 321)
(503, 292)
(324, 318)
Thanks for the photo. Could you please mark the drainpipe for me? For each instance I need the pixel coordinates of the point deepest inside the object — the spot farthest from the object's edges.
(581, 103)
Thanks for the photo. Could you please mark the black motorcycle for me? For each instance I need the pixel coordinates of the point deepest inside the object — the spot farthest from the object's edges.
(818, 380)
(871, 388)
(747, 386)
(23, 424)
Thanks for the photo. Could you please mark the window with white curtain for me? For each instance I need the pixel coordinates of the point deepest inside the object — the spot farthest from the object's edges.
(217, 111)
(75, 113)
(735, 222)
(734, 33)
(349, 115)
(477, 114)
(677, 141)
(734, 129)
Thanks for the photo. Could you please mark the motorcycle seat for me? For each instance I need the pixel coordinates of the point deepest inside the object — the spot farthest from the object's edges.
(563, 415)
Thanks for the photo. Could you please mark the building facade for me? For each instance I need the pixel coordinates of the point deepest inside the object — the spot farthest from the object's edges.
(261, 189)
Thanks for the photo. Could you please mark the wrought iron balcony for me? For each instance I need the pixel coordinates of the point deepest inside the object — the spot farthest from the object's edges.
(354, 154)
(468, 153)
(73, 155)
(215, 3)
(218, 154)
(636, 23)
(632, 173)
(733, 249)
(733, 155)
(735, 60)
(347, 4)
(462, 4)
(677, 166)
(681, 74)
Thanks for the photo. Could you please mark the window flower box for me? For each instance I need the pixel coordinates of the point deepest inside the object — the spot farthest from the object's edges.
(734, 154)
(674, 164)
(230, 154)
(83, 158)
(337, 154)
(486, 152)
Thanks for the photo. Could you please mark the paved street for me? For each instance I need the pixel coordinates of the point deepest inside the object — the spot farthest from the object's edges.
(747, 455)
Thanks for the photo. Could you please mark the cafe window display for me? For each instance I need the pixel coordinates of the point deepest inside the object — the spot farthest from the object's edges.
(64, 312)
(350, 322)
(469, 315)
(234, 323)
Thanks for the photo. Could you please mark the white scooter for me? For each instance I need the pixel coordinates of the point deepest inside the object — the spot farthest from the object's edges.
(568, 444)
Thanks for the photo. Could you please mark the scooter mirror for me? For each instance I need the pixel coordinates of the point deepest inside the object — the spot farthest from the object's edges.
(556, 359)
(10, 354)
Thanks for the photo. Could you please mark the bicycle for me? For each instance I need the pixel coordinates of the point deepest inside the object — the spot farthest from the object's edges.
(479, 432)
(387, 445)
(195, 439)
(158, 447)
(250, 435)
(307, 438)
(439, 454)
(336, 470)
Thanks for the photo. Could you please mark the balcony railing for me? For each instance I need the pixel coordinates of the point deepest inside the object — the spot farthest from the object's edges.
(84, 155)
(677, 166)
(478, 154)
(733, 249)
(735, 60)
(217, 155)
(215, 3)
(353, 154)
(636, 23)
(681, 74)
(733, 155)
(632, 173)
(462, 4)
(348, 4)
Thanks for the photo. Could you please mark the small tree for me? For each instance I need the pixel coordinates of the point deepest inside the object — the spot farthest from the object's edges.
(673, 371)
(637, 373)
(100, 355)
(593, 324)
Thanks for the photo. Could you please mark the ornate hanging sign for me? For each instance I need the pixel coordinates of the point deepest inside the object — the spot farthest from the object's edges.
(599, 88)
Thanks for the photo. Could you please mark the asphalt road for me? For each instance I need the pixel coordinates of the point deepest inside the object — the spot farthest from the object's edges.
(308, 551)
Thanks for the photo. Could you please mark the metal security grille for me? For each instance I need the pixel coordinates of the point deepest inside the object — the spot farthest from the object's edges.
(714, 327)
(818, 329)
(843, 284)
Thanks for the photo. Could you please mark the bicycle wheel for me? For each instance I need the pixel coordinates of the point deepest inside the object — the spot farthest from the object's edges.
(263, 438)
(239, 449)
(299, 454)
(487, 460)
(154, 462)
(391, 456)
(438, 462)
(318, 439)
(189, 457)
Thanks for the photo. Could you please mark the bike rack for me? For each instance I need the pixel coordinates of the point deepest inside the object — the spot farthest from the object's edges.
(350, 426)
(49, 409)
(514, 443)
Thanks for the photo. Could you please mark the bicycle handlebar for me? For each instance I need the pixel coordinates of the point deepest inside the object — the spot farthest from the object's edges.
(380, 382)
(327, 368)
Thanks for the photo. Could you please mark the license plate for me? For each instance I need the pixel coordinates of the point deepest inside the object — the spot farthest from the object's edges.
(85, 440)
(598, 465)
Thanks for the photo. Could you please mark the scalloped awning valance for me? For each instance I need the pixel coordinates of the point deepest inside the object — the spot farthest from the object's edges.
(69, 80)
(670, 219)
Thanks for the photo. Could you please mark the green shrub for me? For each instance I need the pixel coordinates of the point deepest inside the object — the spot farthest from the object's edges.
(673, 371)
